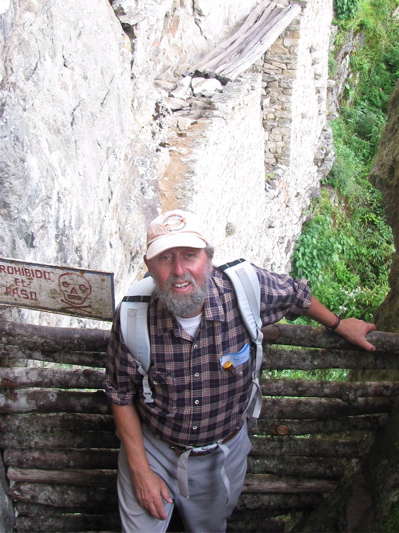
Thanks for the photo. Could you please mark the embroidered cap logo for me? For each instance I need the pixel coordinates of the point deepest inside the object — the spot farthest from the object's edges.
(174, 223)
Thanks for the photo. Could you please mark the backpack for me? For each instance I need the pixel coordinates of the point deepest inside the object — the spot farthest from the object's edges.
(134, 328)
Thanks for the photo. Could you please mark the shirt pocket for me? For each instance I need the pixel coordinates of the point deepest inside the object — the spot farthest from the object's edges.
(163, 387)
(236, 363)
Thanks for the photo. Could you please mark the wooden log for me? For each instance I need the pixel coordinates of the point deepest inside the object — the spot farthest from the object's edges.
(54, 339)
(33, 337)
(9, 355)
(249, 523)
(98, 478)
(206, 63)
(58, 439)
(282, 427)
(106, 523)
(45, 518)
(281, 502)
(75, 459)
(302, 447)
(317, 337)
(60, 378)
(266, 483)
(322, 408)
(258, 46)
(256, 515)
(347, 391)
(303, 359)
(64, 496)
(247, 40)
(92, 498)
(51, 400)
(74, 422)
(304, 467)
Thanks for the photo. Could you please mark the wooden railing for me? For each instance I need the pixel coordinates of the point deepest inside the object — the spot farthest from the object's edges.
(59, 447)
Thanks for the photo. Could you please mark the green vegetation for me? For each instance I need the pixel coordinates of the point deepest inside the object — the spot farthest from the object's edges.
(345, 9)
(345, 251)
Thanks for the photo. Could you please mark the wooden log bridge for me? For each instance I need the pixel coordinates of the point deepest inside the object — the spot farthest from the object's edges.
(240, 51)
(58, 442)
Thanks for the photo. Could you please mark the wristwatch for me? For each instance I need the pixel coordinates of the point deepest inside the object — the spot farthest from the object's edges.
(336, 324)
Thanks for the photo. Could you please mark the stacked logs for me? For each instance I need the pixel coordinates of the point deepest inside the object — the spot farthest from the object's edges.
(59, 446)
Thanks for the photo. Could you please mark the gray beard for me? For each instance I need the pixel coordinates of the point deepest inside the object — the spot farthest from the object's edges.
(180, 304)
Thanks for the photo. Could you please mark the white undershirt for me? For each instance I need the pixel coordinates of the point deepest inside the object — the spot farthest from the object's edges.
(191, 324)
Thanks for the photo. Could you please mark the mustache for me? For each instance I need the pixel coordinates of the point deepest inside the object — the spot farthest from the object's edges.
(180, 279)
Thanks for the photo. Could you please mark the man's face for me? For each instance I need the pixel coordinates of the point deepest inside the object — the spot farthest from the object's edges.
(181, 276)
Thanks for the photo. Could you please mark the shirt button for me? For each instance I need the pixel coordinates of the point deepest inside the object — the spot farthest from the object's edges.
(196, 374)
(155, 382)
(195, 346)
(195, 427)
(197, 402)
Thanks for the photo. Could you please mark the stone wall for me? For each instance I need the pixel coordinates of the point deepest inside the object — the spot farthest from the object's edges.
(91, 149)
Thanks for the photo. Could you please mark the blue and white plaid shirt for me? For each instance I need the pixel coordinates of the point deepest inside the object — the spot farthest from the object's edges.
(196, 401)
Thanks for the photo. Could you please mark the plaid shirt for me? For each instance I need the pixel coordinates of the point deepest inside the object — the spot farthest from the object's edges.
(196, 401)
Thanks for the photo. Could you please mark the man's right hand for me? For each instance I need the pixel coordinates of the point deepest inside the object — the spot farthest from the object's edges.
(151, 491)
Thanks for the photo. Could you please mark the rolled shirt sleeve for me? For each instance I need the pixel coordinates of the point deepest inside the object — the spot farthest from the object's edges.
(122, 381)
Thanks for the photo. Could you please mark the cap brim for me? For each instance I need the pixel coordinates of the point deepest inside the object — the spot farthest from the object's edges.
(173, 241)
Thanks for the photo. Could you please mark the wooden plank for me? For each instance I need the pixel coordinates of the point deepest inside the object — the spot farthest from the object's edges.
(57, 289)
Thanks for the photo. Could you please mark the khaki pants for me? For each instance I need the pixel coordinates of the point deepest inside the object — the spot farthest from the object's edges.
(208, 506)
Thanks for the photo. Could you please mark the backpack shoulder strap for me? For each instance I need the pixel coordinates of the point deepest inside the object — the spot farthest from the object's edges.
(134, 328)
(246, 285)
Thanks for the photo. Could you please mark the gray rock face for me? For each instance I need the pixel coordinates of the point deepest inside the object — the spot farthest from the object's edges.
(99, 132)
(385, 176)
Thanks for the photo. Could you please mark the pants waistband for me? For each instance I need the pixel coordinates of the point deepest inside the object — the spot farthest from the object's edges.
(201, 450)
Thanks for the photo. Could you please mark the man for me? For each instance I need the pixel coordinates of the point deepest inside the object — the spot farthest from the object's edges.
(188, 446)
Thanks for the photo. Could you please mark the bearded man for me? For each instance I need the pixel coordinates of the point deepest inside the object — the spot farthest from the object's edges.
(188, 447)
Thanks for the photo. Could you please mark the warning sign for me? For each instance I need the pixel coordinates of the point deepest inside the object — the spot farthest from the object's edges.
(58, 289)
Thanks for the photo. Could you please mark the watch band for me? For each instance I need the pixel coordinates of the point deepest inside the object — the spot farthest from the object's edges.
(336, 324)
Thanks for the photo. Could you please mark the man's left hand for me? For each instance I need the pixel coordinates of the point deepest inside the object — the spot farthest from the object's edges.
(355, 331)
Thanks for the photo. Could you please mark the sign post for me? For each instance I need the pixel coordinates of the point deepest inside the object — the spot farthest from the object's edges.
(57, 289)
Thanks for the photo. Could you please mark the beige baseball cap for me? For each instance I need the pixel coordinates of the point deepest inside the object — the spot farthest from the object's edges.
(175, 229)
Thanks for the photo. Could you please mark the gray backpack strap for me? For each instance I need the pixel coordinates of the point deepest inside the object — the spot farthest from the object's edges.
(134, 328)
(246, 285)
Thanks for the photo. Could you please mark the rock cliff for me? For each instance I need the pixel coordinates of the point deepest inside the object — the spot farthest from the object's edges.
(385, 176)
(105, 122)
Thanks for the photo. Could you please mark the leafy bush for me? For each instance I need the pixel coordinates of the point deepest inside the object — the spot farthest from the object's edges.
(346, 250)
(345, 9)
